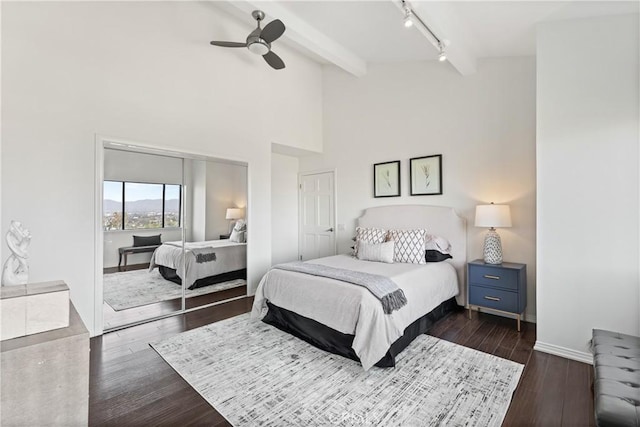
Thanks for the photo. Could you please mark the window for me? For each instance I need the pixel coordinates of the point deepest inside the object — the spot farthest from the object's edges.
(135, 205)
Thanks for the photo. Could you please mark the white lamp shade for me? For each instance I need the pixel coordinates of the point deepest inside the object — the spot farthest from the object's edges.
(234, 213)
(498, 216)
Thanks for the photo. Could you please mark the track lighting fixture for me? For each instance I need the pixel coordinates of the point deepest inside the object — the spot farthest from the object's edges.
(411, 18)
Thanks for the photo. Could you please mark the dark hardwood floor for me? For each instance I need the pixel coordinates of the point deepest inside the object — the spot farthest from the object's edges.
(131, 385)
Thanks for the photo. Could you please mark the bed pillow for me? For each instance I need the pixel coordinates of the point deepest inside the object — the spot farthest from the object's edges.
(369, 235)
(238, 236)
(437, 248)
(437, 243)
(409, 245)
(240, 225)
(433, 255)
(147, 240)
(379, 252)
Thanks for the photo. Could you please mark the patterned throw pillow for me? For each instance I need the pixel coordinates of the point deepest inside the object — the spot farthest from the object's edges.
(409, 245)
(369, 235)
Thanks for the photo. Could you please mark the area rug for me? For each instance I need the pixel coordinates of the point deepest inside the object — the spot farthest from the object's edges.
(254, 374)
(140, 287)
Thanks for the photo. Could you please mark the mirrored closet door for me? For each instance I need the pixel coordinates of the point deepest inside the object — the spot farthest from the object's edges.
(142, 210)
(174, 234)
(215, 231)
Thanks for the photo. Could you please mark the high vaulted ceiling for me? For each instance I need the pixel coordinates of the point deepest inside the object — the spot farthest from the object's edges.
(351, 34)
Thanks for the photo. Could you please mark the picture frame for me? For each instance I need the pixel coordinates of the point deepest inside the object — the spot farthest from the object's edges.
(386, 179)
(425, 175)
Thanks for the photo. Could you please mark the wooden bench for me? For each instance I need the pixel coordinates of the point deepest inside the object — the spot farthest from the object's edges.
(126, 251)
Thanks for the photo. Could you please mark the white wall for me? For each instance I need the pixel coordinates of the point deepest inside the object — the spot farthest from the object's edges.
(226, 188)
(195, 200)
(145, 72)
(587, 149)
(284, 208)
(482, 124)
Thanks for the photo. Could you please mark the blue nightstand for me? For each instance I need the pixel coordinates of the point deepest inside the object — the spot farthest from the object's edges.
(500, 287)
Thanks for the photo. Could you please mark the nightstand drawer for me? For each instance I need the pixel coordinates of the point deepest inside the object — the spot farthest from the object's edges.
(494, 277)
(493, 298)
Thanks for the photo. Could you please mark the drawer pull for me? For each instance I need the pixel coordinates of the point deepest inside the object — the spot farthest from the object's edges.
(489, 276)
(492, 298)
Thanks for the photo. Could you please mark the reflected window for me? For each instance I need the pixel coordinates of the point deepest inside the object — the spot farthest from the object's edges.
(140, 206)
(171, 205)
(112, 205)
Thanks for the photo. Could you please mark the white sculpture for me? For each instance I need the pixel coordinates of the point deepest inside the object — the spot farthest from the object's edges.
(16, 268)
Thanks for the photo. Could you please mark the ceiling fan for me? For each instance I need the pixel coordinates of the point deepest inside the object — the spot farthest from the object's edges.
(259, 40)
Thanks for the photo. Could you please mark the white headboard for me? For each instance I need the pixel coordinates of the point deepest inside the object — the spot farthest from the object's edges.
(438, 220)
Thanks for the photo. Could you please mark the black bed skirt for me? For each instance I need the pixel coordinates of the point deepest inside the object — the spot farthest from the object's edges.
(172, 275)
(328, 339)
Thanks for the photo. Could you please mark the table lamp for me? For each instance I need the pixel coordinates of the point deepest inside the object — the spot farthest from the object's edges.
(493, 216)
(233, 214)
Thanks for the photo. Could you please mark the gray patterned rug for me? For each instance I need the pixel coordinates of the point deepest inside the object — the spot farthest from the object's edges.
(140, 287)
(255, 374)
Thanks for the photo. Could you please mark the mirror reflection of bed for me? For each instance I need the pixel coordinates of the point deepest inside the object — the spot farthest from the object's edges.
(152, 204)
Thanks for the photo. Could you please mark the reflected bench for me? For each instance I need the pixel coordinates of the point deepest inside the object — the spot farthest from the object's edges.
(128, 250)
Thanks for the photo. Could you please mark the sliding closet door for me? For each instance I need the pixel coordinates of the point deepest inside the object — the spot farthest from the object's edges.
(143, 224)
(215, 194)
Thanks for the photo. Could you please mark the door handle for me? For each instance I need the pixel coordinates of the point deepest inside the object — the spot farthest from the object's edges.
(331, 229)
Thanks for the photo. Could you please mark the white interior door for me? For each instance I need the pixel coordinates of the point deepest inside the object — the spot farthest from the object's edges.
(317, 215)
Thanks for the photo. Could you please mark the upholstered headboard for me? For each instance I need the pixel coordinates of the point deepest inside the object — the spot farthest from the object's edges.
(438, 220)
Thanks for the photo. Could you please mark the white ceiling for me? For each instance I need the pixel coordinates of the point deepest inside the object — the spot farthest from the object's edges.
(351, 34)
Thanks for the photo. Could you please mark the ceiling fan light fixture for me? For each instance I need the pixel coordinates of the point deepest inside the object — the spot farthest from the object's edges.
(259, 48)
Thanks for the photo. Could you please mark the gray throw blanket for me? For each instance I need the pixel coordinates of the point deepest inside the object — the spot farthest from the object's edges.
(383, 288)
(204, 254)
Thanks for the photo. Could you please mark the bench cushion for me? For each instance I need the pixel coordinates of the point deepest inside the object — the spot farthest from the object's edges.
(147, 240)
(617, 379)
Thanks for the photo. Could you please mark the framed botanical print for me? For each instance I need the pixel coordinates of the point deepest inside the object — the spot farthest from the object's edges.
(386, 179)
(426, 175)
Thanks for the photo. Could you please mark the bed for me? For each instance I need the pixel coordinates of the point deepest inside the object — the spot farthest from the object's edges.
(207, 262)
(348, 320)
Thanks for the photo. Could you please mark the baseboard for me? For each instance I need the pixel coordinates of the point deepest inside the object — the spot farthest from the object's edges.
(567, 353)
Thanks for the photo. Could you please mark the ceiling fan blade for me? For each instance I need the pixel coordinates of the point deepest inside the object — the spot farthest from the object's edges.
(229, 44)
(272, 31)
(273, 60)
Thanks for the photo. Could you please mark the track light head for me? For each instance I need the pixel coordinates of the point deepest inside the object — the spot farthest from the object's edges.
(442, 56)
(408, 17)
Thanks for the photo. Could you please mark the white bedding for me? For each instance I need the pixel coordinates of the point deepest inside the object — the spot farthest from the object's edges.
(230, 256)
(352, 309)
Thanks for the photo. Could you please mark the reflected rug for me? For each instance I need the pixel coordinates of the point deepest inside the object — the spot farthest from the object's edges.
(140, 287)
(255, 374)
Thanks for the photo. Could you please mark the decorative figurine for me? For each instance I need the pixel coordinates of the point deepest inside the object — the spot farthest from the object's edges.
(16, 268)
